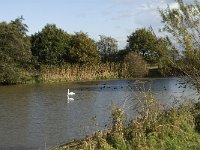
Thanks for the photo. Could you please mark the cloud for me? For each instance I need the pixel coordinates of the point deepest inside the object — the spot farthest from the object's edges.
(136, 14)
(133, 14)
(141, 12)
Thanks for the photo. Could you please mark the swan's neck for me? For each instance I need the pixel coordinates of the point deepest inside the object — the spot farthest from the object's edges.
(68, 91)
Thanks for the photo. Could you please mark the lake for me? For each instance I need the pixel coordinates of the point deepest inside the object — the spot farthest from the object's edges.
(39, 116)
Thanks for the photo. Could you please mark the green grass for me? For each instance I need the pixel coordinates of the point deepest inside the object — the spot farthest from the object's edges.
(154, 129)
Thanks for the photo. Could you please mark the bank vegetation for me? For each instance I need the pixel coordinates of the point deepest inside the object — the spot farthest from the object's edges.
(155, 128)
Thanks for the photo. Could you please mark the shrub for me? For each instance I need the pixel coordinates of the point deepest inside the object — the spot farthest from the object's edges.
(135, 65)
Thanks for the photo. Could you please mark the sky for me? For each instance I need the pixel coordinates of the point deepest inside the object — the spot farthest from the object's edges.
(115, 18)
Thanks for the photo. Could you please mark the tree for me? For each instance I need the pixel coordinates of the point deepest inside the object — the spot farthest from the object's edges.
(120, 55)
(82, 49)
(50, 46)
(18, 22)
(182, 24)
(107, 47)
(135, 64)
(169, 56)
(144, 42)
(15, 54)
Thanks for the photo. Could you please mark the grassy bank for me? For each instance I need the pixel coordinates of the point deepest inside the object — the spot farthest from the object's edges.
(177, 127)
(86, 72)
(75, 72)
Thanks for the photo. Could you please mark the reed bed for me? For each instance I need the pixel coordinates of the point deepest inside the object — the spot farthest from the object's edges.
(82, 72)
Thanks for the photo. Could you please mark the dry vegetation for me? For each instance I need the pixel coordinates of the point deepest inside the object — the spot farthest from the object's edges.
(91, 72)
(154, 128)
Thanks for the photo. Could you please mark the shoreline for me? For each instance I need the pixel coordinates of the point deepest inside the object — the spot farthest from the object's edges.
(75, 73)
(176, 127)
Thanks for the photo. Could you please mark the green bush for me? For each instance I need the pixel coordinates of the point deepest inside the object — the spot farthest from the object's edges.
(135, 66)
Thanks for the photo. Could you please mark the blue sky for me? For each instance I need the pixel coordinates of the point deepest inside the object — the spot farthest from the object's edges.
(115, 18)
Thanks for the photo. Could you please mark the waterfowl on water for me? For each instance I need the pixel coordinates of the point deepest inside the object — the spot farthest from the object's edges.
(70, 93)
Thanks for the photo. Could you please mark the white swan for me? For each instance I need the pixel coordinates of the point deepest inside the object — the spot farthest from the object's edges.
(70, 93)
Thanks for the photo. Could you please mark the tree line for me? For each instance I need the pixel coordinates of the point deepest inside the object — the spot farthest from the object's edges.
(20, 53)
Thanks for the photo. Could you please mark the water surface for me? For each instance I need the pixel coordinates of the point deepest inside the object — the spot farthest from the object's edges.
(38, 116)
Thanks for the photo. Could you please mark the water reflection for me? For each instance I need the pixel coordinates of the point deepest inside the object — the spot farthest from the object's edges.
(32, 116)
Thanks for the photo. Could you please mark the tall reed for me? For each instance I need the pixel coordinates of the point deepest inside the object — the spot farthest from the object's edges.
(77, 72)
